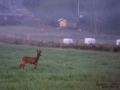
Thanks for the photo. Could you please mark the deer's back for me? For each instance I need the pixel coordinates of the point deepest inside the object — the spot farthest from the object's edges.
(27, 59)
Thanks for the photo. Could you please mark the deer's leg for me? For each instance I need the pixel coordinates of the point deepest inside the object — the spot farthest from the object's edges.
(22, 65)
(35, 65)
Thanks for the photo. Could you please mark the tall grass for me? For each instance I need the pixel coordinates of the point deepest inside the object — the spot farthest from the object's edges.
(58, 69)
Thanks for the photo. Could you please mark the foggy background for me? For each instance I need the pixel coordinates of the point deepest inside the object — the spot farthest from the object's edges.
(104, 12)
(100, 14)
(94, 18)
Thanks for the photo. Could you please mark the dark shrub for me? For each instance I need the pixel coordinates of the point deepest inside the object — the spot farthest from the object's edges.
(115, 49)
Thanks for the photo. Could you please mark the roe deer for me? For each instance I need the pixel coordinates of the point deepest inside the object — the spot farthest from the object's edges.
(31, 60)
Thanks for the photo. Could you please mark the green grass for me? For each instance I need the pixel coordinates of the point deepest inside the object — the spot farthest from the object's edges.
(58, 69)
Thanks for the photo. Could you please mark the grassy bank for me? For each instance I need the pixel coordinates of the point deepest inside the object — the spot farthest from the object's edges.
(58, 69)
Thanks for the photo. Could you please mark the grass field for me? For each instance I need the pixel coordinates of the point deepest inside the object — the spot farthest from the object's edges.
(59, 69)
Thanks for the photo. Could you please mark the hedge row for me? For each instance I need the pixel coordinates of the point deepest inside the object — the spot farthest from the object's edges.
(58, 44)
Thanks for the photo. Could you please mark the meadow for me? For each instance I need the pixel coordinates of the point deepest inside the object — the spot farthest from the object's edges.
(59, 69)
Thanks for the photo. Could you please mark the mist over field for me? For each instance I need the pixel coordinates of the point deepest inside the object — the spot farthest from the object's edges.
(97, 16)
(38, 20)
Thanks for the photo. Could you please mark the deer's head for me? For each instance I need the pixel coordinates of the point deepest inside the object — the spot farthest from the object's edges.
(38, 52)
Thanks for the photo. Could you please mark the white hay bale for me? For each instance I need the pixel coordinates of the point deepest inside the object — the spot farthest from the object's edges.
(90, 41)
(118, 42)
(68, 41)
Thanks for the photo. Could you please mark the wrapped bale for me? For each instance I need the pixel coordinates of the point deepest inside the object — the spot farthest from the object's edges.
(118, 42)
(68, 41)
(90, 41)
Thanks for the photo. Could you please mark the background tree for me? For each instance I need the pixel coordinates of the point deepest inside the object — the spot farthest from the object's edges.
(97, 13)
